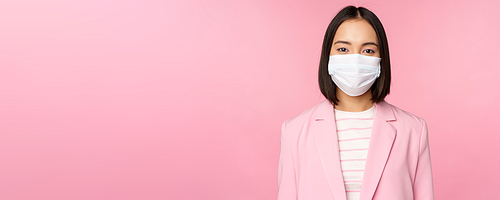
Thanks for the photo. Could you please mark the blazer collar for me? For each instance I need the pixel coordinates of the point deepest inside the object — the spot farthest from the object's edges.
(324, 131)
(384, 110)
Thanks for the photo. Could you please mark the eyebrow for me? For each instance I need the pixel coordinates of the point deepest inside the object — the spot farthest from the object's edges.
(364, 44)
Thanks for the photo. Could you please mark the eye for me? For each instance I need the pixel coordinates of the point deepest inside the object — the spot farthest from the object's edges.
(342, 49)
(369, 51)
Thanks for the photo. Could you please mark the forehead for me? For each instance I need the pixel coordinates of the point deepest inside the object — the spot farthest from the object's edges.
(356, 30)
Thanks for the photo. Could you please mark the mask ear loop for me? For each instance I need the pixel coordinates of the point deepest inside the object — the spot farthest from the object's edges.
(378, 71)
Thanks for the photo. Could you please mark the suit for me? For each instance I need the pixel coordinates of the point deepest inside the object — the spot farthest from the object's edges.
(398, 164)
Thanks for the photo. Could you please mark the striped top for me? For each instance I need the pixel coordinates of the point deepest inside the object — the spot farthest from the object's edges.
(354, 131)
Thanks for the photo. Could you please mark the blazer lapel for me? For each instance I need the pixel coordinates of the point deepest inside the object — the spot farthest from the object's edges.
(324, 132)
(382, 138)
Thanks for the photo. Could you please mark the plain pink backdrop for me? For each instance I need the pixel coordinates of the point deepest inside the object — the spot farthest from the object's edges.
(108, 99)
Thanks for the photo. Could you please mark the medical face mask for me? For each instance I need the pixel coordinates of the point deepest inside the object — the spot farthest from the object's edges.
(354, 73)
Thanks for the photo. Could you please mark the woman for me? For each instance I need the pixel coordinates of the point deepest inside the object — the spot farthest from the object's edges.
(355, 145)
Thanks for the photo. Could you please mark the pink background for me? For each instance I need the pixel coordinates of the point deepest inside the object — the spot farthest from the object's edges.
(109, 99)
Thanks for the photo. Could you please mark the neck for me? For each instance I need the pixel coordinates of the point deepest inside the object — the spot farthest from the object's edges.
(353, 104)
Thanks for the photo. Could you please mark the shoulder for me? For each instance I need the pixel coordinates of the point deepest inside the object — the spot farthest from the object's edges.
(308, 115)
(404, 117)
(405, 114)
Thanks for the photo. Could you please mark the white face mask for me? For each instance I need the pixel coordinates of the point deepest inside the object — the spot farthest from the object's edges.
(354, 73)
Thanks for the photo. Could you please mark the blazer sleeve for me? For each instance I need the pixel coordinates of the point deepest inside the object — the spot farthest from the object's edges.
(287, 185)
(423, 186)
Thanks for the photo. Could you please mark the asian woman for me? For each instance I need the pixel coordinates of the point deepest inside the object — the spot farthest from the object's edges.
(355, 145)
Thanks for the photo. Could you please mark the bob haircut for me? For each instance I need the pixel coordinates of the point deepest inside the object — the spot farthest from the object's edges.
(381, 86)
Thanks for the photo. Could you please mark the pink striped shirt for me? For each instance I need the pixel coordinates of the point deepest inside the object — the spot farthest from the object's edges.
(354, 132)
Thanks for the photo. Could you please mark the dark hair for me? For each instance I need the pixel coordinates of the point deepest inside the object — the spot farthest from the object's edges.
(381, 87)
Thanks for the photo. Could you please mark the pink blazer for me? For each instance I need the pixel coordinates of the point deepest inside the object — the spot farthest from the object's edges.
(398, 166)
